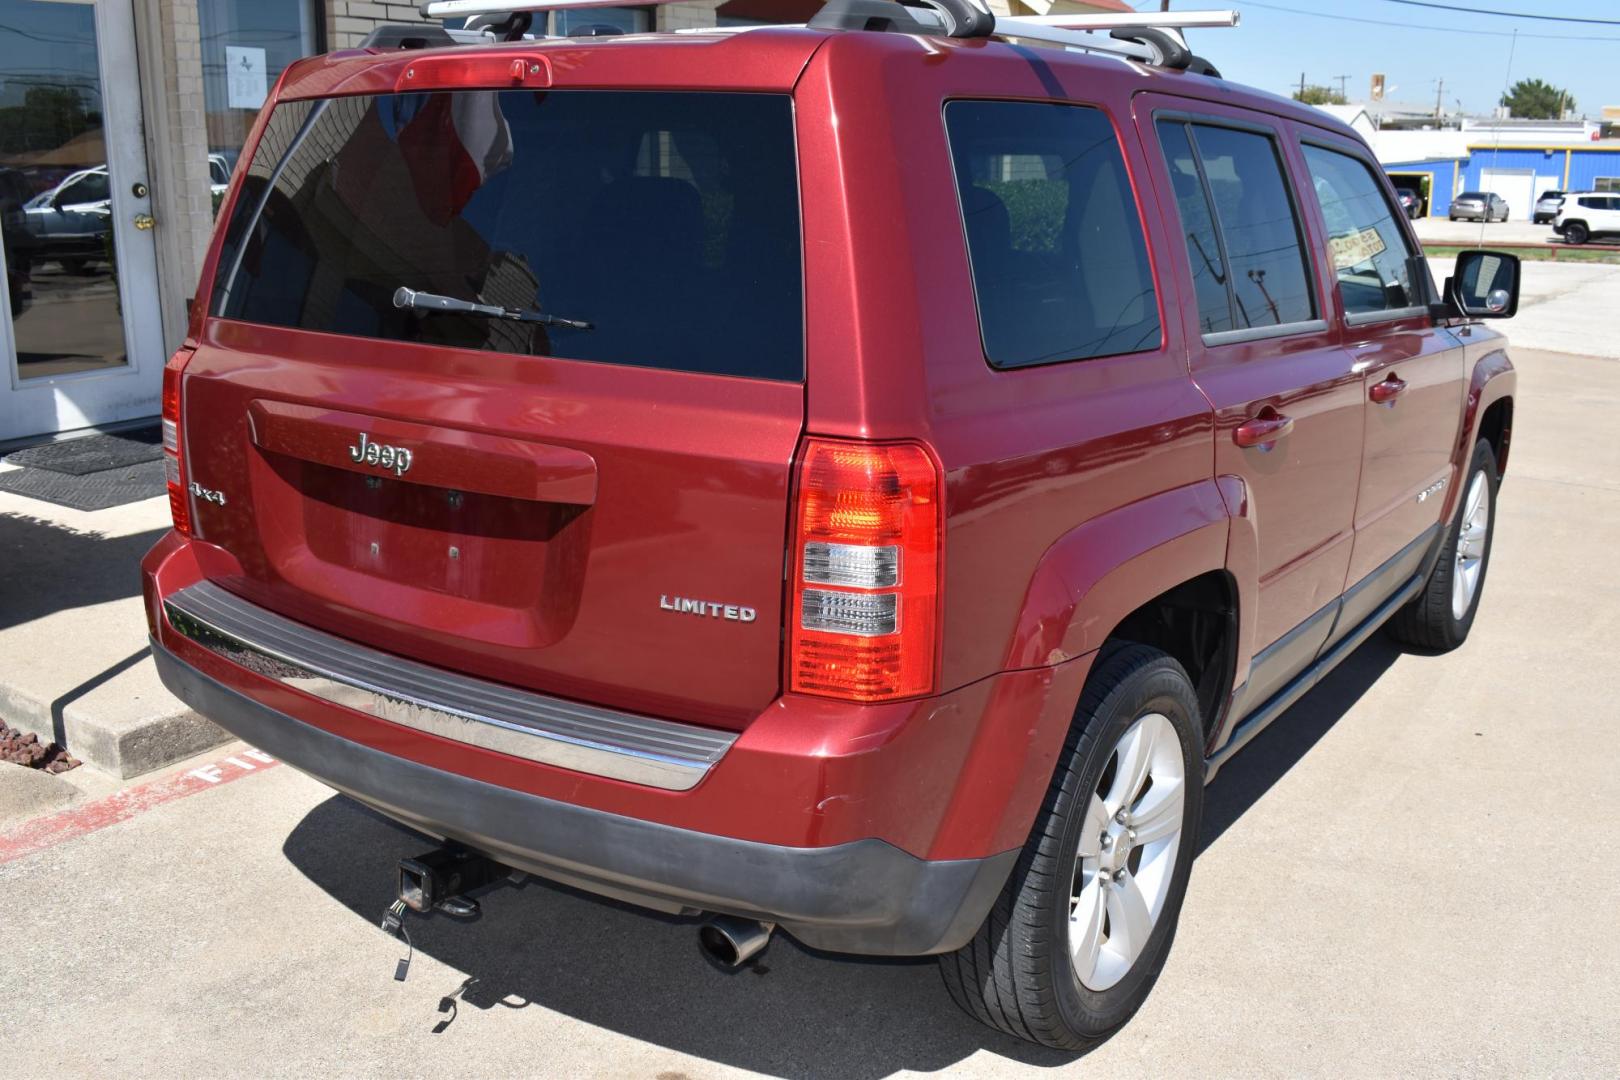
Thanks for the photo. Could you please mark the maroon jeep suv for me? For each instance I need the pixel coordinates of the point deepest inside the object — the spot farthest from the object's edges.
(860, 480)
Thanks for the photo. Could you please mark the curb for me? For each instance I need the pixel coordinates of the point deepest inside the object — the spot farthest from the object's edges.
(123, 722)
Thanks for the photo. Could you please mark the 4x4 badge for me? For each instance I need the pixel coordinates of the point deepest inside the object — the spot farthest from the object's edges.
(388, 457)
(208, 494)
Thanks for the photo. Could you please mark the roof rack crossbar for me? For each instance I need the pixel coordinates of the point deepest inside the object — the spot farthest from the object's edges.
(1154, 20)
(1151, 37)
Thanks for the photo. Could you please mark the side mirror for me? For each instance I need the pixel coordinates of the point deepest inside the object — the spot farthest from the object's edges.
(1484, 285)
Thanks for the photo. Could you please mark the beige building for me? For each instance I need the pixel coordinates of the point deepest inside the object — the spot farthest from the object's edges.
(120, 124)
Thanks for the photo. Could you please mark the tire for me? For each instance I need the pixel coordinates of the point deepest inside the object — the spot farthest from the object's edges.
(1451, 217)
(1017, 974)
(1437, 619)
(1576, 233)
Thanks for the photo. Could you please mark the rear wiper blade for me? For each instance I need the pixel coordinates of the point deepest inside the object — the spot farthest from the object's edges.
(412, 300)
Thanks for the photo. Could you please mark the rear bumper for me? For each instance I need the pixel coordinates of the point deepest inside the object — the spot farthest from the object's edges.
(865, 897)
(883, 829)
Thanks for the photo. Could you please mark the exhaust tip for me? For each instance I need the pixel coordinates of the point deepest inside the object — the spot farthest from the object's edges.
(730, 942)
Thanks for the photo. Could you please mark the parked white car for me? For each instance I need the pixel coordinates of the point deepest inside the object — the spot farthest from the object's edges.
(1588, 216)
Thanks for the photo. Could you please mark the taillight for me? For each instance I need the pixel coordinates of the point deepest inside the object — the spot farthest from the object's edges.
(865, 571)
(173, 455)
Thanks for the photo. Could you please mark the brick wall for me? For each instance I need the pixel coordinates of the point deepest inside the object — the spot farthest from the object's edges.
(687, 15)
(169, 42)
(349, 21)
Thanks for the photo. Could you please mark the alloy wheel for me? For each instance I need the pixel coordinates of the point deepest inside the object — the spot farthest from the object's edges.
(1128, 846)
(1471, 547)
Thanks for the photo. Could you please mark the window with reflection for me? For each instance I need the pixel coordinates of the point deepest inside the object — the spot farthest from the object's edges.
(1369, 251)
(1060, 267)
(246, 45)
(1242, 189)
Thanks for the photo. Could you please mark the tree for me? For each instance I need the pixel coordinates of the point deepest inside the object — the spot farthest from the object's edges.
(1532, 99)
(50, 116)
(1320, 95)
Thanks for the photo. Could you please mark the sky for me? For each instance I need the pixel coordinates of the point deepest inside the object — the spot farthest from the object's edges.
(1415, 48)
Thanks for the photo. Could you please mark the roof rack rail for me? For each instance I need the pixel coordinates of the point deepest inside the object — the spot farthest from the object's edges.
(452, 9)
(1153, 38)
(958, 18)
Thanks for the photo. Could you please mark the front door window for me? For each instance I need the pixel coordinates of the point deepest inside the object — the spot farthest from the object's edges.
(81, 335)
(55, 193)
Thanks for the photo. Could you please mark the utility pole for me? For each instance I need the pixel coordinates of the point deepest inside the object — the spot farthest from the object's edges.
(1439, 96)
(1302, 86)
(1343, 79)
(1164, 5)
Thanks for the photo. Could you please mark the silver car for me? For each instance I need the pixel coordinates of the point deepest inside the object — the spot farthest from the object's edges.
(1479, 206)
(1547, 207)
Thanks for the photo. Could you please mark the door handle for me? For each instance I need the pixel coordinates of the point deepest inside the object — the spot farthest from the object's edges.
(1263, 430)
(144, 222)
(1387, 391)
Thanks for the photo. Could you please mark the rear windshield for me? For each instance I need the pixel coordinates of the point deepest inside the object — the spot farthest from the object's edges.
(1472, 195)
(667, 222)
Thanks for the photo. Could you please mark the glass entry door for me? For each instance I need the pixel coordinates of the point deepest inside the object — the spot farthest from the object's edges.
(80, 329)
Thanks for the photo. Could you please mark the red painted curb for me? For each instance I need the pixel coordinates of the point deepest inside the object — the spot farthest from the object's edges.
(64, 825)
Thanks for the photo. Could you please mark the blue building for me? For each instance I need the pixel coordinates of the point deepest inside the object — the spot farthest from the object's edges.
(1435, 179)
(1521, 173)
(1517, 173)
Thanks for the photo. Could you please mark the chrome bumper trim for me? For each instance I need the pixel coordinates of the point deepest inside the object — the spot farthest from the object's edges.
(637, 749)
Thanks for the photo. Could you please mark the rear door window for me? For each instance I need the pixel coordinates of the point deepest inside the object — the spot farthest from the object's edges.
(668, 222)
(1242, 188)
(1369, 251)
(1054, 238)
(1198, 225)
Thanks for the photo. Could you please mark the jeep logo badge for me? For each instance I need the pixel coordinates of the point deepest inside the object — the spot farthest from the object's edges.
(367, 452)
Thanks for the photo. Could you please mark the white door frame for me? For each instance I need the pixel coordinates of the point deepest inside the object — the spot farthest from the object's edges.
(49, 404)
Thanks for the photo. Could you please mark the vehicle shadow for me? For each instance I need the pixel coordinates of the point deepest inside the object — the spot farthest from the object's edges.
(1253, 771)
(799, 1014)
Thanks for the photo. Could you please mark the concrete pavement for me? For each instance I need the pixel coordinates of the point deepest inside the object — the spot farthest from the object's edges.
(1414, 872)
(74, 667)
(1438, 230)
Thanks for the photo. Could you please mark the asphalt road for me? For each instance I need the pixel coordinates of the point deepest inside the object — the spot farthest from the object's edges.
(1414, 872)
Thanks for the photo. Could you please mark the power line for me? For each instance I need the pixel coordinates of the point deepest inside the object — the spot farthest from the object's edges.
(1506, 14)
(1421, 26)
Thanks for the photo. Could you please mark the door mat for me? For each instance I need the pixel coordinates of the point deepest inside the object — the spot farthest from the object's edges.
(93, 453)
(92, 491)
